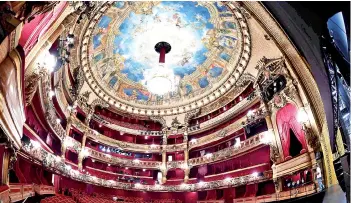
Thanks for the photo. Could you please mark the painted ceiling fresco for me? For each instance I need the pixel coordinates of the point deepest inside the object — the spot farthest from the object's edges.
(203, 36)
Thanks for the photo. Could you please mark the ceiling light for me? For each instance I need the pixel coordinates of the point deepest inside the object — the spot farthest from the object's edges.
(126, 168)
(86, 152)
(51, 93)
(58, 158)
(35, 143)
(255, 174)
(108, 164)
(58, 121)
(267, 137)
(228, 179)
(160, 80)
(209, 155)
(250, 113)
(144, 169)
(146, 137)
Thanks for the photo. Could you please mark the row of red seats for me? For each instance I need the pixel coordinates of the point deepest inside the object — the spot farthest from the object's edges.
(81, 197)
(58, 199)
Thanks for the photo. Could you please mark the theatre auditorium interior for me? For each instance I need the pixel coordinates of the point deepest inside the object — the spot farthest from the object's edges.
(174, 102)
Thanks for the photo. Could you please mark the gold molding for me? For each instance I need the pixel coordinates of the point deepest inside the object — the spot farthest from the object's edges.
(308, 91)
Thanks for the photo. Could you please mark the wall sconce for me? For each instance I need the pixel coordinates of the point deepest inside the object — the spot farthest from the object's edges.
(267, 137)
(46, 61)
(302, 116)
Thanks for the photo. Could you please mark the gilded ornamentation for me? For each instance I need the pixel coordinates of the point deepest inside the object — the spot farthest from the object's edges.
(190, 115)
(274, 153)
(59, 166)
(245, 79)
(159, 119)
(279, 101)
(31, 84)
(312, 139)
(226, 153)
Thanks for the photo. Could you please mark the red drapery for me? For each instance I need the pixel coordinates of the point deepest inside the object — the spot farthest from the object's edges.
(287, 119)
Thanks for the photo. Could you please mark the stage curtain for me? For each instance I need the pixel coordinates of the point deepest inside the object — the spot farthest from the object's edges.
(286, 119)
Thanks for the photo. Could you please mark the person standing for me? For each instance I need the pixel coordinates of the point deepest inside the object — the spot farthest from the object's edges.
(319, 178)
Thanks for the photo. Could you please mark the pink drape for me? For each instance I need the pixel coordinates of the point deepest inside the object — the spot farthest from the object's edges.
(202, 170)
(287, 119)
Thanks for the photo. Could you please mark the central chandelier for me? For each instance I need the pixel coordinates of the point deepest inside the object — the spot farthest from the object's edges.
(160, 80)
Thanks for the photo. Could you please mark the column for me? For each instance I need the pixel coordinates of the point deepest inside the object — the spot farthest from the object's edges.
(88, 118)
(185, 136)
(64, 142)
(186, 166)
(164, 166)
(4, 161)
(81, 153)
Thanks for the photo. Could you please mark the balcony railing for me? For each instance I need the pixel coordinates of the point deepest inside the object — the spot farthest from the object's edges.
(229, 152)
(124, 162)
(228, 130)
(44, 189)
(294, 193)
(21, 191)
(51, 162)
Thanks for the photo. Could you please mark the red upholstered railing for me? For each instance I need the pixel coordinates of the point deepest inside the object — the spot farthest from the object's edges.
(21, 191)
(44, 189)
(4, 193)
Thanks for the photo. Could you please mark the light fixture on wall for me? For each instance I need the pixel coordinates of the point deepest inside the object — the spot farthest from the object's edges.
(267, 137)
(302, 116)
(46, 61)
(35, 144)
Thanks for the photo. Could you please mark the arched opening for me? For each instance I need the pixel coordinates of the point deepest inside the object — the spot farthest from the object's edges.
(295, 145)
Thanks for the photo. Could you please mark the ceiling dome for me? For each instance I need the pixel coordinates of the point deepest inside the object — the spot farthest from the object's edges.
(205, 60)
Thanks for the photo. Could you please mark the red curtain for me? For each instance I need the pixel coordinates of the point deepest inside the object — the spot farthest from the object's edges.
(287, 119)
(211, 195)
(57, 183)
(19, 173)
(251, 190)
(229, 195)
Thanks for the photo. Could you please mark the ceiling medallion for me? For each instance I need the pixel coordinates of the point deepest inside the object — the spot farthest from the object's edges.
(207, 45)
